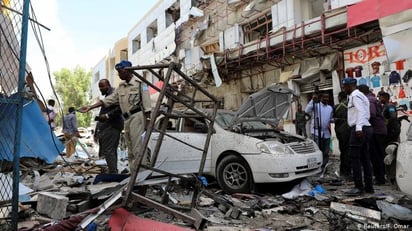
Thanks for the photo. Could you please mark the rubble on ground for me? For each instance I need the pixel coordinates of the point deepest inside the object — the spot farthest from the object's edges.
(74, 194)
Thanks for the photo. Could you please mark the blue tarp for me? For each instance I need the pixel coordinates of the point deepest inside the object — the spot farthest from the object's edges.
(37, 139)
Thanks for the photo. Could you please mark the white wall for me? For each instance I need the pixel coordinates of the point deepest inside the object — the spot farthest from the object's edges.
(163, 45)
(98, 71)
(339, 3)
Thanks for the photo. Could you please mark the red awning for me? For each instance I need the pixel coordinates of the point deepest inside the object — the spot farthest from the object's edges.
(369, 10)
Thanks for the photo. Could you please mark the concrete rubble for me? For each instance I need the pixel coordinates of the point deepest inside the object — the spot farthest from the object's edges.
(74, 195)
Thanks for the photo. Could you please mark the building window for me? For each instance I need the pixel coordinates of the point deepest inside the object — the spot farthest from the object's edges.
(173, 13)
(96, 77)
(136, 44)
(151, 31)
(258, 27)
(123, 54)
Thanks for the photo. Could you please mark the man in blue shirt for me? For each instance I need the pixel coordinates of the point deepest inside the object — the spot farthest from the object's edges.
(322, 114)
(70, 130)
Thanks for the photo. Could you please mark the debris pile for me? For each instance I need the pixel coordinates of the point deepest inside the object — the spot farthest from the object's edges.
(70, 196)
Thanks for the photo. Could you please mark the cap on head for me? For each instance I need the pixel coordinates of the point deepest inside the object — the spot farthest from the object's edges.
(123, 64)
(376, 63)
(348, 81)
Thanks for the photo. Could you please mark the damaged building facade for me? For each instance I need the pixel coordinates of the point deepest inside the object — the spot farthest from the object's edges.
(234, 48)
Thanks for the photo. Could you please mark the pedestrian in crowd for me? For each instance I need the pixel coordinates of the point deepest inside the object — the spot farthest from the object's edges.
(108, 128)
(321, 113)
(381, 91)
(391, 119)
(301, 118)
(134, 100)
(393, 127)
(376, 145)
(51, 113)
(342, 130)
(361, 133)
(70, 131)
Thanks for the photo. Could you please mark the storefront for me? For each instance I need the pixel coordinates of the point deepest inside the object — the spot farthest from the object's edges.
(369, 66)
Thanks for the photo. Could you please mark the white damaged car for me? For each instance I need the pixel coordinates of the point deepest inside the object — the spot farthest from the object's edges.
(403, 156)
(244, 148)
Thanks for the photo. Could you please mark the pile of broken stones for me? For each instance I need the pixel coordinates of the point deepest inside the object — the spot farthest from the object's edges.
(75, 195)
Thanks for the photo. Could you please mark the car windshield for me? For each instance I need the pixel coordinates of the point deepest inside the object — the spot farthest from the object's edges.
(224, 120)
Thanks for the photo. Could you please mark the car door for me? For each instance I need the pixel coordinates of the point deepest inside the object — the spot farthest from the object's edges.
(178, 157)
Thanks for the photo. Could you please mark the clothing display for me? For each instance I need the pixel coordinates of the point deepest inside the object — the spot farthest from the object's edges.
(349, 72)
(362, 81)
(394, 78)
(376, 81)
(358, 71)
(375, 67)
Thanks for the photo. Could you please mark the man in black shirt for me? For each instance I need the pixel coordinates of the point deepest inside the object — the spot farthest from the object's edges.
(342, 130)
(394, 130)
(108, 128)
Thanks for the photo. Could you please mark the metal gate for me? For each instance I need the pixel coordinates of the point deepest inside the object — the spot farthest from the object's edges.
(13, 43)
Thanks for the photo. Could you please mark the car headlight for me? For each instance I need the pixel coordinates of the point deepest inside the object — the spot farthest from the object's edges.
(273, 147)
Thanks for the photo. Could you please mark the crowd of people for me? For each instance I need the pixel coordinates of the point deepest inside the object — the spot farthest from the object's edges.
(366, 126)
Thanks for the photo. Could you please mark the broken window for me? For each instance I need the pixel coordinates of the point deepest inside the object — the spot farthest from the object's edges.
(196, 125)
(312, 8)
(257, 28)
(136, 44)
(211, 48)
(171, 124)
(151, 31)
(173, 13)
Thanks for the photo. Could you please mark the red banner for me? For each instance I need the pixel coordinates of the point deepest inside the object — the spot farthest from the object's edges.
(369, 10)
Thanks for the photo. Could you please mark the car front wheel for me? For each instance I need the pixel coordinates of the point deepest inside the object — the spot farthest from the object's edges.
(233, 175)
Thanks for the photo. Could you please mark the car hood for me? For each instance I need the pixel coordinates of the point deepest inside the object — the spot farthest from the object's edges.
(268, 105)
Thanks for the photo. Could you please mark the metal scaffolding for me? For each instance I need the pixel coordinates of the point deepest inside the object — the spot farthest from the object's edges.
(188, 101)
(325, 35)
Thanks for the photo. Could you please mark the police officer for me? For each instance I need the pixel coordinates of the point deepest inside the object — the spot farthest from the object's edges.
(361, 133)
(134, 100)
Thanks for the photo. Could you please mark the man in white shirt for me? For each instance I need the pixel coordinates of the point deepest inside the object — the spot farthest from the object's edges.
(322, 115)
(361, 133)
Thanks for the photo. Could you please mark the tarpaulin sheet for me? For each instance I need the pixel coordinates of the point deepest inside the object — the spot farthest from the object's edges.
(369, 10)
(37, 139)
(121, 219)
(397, 45)
(396, 32)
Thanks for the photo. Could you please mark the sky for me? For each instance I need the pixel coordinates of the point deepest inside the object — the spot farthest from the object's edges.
(81, 33)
